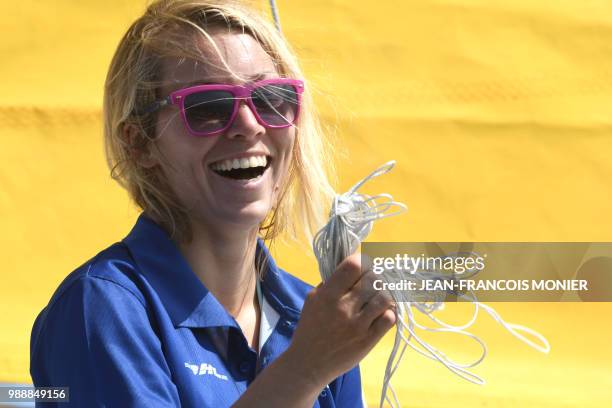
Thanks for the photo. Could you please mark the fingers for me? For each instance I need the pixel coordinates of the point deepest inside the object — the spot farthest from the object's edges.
(373, 308)
(351, 283)
(382, 324)
(376, 307)
(364, 290)
(347, 274)
(343, 318)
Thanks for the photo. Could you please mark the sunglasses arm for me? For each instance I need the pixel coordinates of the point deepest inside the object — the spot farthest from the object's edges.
(157, 105)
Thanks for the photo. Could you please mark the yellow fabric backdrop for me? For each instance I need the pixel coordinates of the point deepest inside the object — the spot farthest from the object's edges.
(499, 114)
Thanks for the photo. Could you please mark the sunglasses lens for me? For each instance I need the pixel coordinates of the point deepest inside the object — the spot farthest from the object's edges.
(276, 104)
(208, 111)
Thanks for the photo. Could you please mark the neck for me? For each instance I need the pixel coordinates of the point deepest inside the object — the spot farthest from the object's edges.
(224, 260)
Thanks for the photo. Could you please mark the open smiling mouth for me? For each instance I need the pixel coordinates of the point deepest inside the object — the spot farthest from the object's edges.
(245, 168)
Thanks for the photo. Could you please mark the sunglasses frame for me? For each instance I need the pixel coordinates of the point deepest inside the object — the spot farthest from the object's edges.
(240, 93)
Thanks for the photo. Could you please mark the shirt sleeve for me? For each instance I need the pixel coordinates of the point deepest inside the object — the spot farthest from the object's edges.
(349, 393)
(97, 339)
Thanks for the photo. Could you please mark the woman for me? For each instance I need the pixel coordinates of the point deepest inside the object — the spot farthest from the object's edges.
(210, 128)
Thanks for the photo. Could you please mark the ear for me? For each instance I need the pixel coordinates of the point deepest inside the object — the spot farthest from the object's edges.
(139, 145)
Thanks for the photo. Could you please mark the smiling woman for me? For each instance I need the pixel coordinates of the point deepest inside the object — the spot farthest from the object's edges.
(211, 129)
(187, 149)
(155, 66)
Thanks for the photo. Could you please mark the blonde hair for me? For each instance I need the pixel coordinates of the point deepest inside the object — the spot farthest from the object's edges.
(168, 29)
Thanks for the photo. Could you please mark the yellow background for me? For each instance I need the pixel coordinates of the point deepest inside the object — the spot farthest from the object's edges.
(499, 114)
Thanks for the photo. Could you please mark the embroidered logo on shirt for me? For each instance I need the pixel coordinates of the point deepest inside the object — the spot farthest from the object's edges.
(203, 369)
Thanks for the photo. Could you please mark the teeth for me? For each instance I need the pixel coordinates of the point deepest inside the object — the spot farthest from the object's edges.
(242, 163)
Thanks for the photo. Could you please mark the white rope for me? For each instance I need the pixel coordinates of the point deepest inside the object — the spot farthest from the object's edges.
(274, 10)
(351, 220)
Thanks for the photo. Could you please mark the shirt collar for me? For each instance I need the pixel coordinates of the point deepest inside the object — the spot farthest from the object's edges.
(277, 288)
(188, 302)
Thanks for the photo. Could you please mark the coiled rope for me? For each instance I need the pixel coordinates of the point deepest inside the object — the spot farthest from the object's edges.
(351, 219)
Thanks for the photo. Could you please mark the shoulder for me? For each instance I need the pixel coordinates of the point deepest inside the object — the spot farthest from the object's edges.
(112, 268)
(95, 305)
(104, 286)
(96, 332)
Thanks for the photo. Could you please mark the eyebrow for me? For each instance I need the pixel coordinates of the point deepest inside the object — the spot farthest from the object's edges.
(250, 78)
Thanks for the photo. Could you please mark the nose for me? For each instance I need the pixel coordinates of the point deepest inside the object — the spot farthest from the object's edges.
(245, 124)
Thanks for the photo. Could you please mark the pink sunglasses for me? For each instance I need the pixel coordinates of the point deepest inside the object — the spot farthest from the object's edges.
(208, 110)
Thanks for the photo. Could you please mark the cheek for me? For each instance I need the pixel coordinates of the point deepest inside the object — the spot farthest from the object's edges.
(168, 121)
(177, 144)
(171, 154)
(181, 156)
(285, 145)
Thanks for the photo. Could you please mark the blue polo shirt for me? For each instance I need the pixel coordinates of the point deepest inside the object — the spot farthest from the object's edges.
(135, 327)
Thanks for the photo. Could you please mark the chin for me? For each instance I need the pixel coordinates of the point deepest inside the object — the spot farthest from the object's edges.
(249, 216)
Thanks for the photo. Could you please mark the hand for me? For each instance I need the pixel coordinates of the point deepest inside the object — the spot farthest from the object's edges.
(341, 321)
